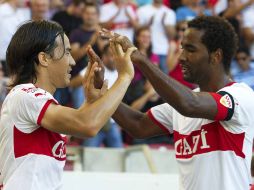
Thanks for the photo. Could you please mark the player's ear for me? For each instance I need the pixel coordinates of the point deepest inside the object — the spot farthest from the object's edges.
(43, 59)
(217, 56)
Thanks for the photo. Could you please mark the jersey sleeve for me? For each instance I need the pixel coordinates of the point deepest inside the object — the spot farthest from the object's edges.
(225, 105)
(162, 116)
(170, 18)
(29, 108)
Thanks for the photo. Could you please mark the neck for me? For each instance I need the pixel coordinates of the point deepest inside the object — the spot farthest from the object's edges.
(69, 10)
(89, 28)
(36, 18)
(215, 84)
(119, 4)
(157, 5)
(13, 4)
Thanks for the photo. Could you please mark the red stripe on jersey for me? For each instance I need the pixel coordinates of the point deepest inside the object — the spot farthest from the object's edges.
(121, 25)
(41, 141)
(150, 115)
(211, 137)
(222, 111)
(43, 110)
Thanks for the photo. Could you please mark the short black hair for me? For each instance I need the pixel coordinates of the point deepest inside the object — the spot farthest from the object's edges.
(92, 4)
(77, 2)
(243, 49)
(29, 40)
(218, 34)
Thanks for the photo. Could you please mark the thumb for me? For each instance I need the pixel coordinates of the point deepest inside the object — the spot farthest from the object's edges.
(130, 51)
(104, 87)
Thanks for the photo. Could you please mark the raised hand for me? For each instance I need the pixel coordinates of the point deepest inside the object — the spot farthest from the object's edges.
(92, 93)
(122, 59)
(99, 75)
(122, 40)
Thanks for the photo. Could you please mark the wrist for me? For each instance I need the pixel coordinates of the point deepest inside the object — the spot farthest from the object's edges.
(137, 57)
(125, 77)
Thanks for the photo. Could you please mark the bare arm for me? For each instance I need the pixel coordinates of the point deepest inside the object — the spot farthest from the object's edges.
(173, 56)
(79, 51)
(249, 35)
(233, 11)
(185, 101)
(136, 123)
(92, 115)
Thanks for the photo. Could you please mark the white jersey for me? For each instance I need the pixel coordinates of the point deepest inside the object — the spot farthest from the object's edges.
(160, 40)
(213, 155)
(32, 158)
(121, 22)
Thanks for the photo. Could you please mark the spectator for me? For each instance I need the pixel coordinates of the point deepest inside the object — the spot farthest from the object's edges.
(11, 16)
(248, 28)
(232, 14)
(3, 86)
(80, 38)
(119, 16)
(70, 18)
(190, 10)
(39, 9)
(142, 41)
(243, 69)
(161, 20)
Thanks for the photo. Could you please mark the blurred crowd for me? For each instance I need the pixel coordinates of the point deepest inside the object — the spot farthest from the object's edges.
(156, 28)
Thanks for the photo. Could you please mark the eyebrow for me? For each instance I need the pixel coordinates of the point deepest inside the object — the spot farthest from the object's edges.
(187, 45)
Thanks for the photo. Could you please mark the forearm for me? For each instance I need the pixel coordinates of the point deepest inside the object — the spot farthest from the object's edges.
(232, 12)
(79, 53)
(174, 93)
(129, 119)
(170, 32)
(102, 109)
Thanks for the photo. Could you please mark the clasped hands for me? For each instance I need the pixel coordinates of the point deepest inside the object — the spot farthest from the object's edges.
(94, 84)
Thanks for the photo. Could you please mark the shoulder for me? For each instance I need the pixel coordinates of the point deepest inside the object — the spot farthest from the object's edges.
(108, 5)
(29, 93)
(144, 8)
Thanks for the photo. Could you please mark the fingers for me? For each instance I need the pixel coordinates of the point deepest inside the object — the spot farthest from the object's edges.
(93, 57)
(91, 54)
(112, 46)
(108, 34)
(89, 66)
(90, 78)
(129, 52)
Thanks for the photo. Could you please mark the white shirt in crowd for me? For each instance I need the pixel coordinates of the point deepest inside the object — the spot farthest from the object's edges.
(10, 20)
(160, 41)
(248, 22)
(121, 22)
(110, 75)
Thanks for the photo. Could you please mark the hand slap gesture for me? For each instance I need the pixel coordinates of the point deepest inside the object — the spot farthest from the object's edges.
(99, 75)
(92, 93)
(124, 65)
